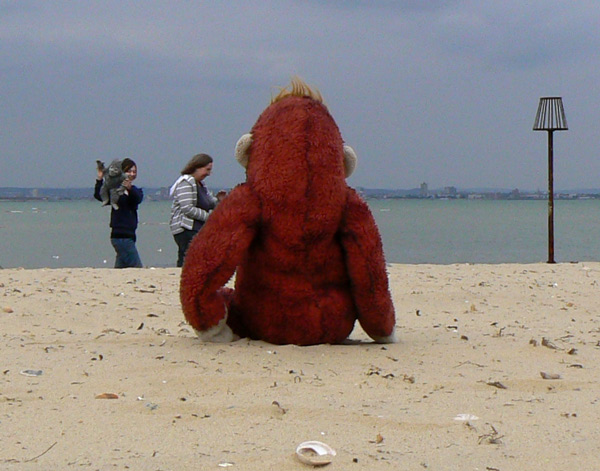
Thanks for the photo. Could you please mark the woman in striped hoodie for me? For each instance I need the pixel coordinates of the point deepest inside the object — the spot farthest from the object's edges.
(192, 202)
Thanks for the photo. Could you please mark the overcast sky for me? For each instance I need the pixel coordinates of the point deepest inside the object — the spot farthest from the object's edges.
(436, 91)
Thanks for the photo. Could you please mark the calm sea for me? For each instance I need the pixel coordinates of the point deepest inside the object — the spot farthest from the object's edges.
(75, 233)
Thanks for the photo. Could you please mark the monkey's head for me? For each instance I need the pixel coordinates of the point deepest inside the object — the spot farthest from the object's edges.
(295, 147)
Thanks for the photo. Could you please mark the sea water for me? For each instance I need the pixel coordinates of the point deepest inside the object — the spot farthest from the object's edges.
(75, 233)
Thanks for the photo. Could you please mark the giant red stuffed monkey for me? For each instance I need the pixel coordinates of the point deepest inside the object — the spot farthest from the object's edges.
(304, 246)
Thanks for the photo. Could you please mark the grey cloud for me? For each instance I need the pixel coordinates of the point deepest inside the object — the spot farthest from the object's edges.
(416, 87)
(523, 37)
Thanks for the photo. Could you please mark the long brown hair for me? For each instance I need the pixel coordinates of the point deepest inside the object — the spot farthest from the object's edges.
(197, 161)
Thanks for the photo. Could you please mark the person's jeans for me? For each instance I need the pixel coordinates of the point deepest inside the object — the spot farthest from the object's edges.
(183, 240)
(127, 254)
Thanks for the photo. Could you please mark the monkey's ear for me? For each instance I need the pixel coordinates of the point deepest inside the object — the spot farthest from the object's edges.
(350, 160)
(241, 149)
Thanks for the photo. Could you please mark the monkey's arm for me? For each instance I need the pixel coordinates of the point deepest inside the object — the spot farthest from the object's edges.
(366, 267)
(211, 260)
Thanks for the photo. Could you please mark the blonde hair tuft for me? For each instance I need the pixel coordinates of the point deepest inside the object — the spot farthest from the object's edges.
(298, 88)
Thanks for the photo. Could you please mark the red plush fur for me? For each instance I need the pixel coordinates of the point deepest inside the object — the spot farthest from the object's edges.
(304, 246)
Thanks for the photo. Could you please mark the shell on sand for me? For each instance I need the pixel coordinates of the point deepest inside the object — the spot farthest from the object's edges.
(315, 453)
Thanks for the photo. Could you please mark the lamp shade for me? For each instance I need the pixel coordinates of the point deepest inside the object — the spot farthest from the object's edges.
(550, 115)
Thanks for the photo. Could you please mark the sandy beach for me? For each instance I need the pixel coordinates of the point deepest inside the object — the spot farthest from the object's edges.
(496, 369)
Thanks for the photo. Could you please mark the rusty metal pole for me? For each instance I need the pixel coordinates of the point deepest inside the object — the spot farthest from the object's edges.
(550, 197)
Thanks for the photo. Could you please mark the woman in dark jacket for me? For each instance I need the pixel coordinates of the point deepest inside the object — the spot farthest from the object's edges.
(124, 220)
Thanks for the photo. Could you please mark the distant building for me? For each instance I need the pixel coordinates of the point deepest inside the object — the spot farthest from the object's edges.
(450, 191)
(424, 193)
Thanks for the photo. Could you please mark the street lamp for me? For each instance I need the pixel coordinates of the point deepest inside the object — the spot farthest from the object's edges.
(550, 117)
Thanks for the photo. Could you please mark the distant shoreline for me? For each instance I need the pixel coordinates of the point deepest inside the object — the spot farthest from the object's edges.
(448, 193)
